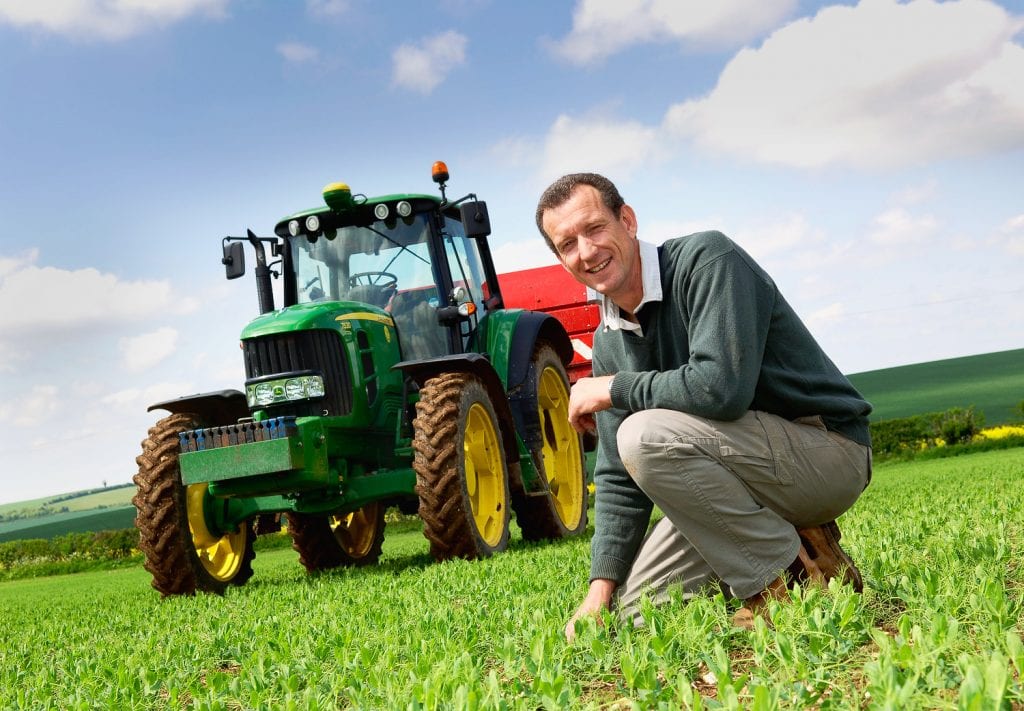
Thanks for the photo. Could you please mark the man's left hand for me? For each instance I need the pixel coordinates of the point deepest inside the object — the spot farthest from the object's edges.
(589, 395)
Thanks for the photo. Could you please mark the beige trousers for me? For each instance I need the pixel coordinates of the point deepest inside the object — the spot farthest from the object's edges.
(733, 494)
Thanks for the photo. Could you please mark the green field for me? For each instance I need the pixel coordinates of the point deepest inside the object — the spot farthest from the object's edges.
(108, 519)
(120, 495)
(940, 544)
(992, 382)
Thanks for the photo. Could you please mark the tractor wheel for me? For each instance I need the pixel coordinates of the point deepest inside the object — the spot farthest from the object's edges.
(461, 473)
(562, 511)
(352, 539)
(182, 554)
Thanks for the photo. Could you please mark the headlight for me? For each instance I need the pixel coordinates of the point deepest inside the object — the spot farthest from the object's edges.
(270, 392)
(312, 224)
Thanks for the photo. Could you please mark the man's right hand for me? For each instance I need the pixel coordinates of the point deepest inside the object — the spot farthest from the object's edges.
(598, 599)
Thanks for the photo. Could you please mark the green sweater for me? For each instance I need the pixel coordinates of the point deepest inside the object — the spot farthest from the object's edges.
(721, 342)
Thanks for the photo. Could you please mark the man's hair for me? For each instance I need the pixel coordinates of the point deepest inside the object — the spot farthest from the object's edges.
(561, 190)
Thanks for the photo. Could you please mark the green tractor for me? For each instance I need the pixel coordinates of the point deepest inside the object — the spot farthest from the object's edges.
(391, 376)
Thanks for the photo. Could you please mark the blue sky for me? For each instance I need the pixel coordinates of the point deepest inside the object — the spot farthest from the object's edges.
(870, 155)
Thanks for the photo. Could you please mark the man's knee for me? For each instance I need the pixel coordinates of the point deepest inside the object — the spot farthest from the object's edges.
(644, 433)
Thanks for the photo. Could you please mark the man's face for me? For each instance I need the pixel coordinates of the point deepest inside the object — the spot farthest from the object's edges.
(596, 247)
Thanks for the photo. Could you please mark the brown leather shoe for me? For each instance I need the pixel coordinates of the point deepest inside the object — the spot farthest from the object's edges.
(826, 559)
(757, 606)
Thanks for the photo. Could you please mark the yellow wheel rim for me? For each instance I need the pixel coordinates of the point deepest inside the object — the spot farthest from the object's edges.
(561, 452)
(357, 530)
(485, 475)
(220, 556)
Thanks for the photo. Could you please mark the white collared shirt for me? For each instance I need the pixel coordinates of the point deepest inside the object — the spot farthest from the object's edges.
(650, 272)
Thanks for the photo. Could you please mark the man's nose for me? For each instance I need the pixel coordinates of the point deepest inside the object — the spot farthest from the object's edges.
(586, 247)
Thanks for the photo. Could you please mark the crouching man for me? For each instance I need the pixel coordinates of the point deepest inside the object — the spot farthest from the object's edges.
(713, 402)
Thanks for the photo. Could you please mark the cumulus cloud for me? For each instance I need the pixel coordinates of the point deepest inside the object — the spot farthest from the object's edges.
(297, 53)
(145, 351)
(422, 67)
(599, 145)
(876, 85)
(897, 227)
(327, 8)
(105, 19)
(601, 28)
(60, 300)
(31, 409)
(1013, 233)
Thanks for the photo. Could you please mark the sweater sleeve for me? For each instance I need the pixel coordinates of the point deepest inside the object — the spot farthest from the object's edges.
(725, 307)
(622, 511)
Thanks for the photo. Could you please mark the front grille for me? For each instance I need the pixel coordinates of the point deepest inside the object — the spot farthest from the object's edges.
(228, 435)
(317, 351)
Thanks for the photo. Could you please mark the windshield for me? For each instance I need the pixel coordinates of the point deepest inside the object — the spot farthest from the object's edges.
(365, 264)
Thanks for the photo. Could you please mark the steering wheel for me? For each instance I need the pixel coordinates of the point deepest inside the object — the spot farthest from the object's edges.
(389, 279)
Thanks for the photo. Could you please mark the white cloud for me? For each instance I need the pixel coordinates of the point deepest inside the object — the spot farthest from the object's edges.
(424, 66)
(1013, 234)
(598, 145)
(877, 85)
(601, 28)
(297, 53)
(327, 8)
(33, 408)
(51, 299)
(826, 317)
(105, 19)
(145, 351)
(898, 227)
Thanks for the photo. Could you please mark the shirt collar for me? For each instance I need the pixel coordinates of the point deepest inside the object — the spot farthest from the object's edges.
(650, 272)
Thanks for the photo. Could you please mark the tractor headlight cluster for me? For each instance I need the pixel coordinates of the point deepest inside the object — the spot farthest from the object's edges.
(270, 392)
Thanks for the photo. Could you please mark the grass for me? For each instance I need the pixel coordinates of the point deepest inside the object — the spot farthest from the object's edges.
(992, 382)
(939, 625)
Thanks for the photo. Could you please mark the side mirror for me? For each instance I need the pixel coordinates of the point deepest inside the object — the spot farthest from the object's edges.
(475, 220)
(234, 259)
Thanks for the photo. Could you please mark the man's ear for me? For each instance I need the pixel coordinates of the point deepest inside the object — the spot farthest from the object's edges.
(628, 217)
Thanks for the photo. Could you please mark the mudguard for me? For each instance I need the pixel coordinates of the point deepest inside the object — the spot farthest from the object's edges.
(221, 407)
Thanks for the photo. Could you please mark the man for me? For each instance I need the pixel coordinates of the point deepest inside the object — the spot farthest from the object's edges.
(712, 402)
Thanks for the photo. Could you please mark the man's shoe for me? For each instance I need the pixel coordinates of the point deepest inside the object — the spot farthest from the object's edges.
(825, 559)
(757, 606)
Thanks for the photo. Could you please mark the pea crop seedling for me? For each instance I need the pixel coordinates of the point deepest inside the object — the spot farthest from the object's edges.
(938, 627)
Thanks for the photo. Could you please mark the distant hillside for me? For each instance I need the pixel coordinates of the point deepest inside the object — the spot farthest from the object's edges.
(992, 382)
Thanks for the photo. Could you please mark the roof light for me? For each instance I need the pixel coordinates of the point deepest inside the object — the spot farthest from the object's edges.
(439, 172)
(404, 209)
(381, 210)
(313, 224)
(293, 228)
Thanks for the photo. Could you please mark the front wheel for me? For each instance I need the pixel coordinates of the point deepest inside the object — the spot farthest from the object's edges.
(461, 472)
(181, 551)
(351, 539)
(561, 510)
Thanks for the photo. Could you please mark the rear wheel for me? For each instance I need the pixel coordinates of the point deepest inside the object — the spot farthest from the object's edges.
(351, 539)
(461, 472)
(558, 456)
(181, 551)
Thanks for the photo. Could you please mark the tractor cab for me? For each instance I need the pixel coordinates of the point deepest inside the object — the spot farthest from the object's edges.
(411, 257)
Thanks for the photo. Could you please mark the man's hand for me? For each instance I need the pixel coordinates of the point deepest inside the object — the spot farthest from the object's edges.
(588, 395)
(599, 598)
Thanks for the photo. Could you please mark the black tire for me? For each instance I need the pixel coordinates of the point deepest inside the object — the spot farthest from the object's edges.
(181, 554)
(461, 472)
(558, 456)
(325, 542)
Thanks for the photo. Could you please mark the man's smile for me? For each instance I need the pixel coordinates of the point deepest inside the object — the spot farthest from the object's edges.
(599, 267)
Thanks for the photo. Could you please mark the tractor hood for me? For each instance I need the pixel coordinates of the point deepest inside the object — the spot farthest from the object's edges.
(333, 315)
